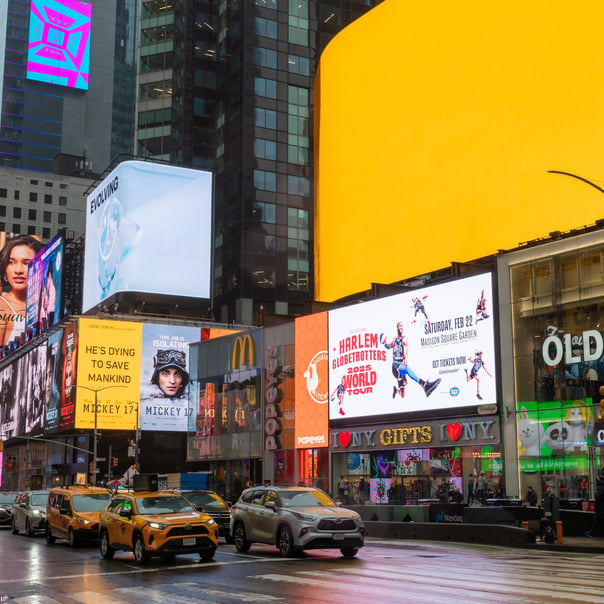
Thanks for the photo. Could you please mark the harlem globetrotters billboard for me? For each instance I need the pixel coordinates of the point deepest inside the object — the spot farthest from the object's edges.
(431, 348)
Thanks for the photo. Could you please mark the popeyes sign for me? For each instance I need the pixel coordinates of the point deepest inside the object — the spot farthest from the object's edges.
(458, 432)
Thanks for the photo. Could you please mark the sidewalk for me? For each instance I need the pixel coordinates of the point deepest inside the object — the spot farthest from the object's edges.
(572, 544)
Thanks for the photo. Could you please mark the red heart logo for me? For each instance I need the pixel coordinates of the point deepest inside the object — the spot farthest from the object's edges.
(454, 431)
(344, 438)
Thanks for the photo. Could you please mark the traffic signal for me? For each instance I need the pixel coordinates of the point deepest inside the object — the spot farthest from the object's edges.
(114, 461)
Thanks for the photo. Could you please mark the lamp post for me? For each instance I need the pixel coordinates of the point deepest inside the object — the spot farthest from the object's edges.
(94, 445)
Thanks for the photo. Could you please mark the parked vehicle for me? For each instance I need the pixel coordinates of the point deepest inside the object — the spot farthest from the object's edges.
(295, 519)
(7, 501)
(213, 504)
(72, 513)
(156, 523)
(29, 512)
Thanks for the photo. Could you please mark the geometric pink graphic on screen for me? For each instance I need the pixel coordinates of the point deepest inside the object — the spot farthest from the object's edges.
(59, 42)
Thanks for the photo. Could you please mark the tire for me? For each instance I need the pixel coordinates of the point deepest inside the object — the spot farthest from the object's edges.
(285, 541)
(207, 555)
(349, 552)
(106, 550)
(140, 553)
(72, 539)
(28, 530)
(240, 538)
(14, 527)
(50, 538)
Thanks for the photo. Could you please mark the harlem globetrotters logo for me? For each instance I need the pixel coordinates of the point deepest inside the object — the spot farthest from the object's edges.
(316, 376)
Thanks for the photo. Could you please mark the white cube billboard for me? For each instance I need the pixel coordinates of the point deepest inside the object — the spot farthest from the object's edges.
(148, 230)
(432, 348)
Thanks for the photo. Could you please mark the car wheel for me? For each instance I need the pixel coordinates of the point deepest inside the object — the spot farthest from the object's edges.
(349, 552)
(71, 538)
(50, 538)
(207, 555)
(28, 530)
(229, 539)
(140, 553)
(240, 539)
(106, 550)
(14, 527)
(285, 541)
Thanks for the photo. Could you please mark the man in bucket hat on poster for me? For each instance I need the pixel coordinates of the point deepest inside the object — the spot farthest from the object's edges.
(170, 372)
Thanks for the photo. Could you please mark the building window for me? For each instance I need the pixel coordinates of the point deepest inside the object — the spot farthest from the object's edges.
(16, 229)
(266, 88)
(17, 194)
(297, 125)
(2, 210)
(266, 28)
(272, 4)
(264, 149)
(62, 186)
(33, 196)
(47, 198)
(266, 118)
(48, 183)
(31, 229)
(33, 182)
(46, 217)
(31, 215)
(46, 233)
(299, 65)
(3, 193)
(265, 212)
(298, 22)
(265, 57)
(2, 226)
(16, 212)
(298, 185)
(62, 200)
(265, 181)
(62, 218)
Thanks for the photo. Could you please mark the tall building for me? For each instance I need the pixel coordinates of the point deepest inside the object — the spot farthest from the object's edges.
(229, 87)
(67, 80)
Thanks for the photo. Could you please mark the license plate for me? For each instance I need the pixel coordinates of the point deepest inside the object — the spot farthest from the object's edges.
(188, 541)
(338, 537)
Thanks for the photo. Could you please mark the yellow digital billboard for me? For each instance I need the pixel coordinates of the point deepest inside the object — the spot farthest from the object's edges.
(108, 378)
(446, 133)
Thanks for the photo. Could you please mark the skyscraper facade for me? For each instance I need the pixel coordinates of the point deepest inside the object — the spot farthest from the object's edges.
(228, 86)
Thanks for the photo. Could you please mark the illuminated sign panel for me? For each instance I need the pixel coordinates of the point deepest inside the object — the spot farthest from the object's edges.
(164, 390)
(108, 386)
(44, 278)
(453, 160)
(142, 221)
(312, 387)
(58, 49)
(432, 348)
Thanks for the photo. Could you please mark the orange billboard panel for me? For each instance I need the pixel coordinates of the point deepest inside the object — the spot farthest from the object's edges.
(312, 387)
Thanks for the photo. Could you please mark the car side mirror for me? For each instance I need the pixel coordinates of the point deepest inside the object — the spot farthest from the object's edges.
(125, 513)
(271, 505)
(199, 507)
(65, 512)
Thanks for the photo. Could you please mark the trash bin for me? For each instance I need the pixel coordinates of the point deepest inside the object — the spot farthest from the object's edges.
(551, 505)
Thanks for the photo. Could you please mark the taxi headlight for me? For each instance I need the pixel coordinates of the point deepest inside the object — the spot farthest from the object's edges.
(211, 522)
(83, 521)
(158, 526)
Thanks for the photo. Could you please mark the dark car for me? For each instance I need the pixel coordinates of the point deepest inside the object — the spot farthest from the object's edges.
(29, 512)
(295, 519)
(7, 501)
(213, 504)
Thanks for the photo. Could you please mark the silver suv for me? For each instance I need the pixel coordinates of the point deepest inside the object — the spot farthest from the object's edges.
(295, 519)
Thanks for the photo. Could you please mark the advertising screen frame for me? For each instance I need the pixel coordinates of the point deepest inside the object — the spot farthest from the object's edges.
(148, 230)
(445, 327)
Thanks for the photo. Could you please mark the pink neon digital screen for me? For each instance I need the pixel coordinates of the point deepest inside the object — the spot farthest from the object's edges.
(59, 42)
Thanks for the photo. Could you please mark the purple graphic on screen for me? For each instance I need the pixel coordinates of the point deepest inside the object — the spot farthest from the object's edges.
(59, 42)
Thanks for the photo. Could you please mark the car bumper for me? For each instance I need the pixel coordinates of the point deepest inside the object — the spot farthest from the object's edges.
(328, 540)
(88, 535)
(182, 545)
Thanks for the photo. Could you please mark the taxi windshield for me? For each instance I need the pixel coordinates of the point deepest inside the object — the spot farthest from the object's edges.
(207, 500)
(90, 503)
(163, 505)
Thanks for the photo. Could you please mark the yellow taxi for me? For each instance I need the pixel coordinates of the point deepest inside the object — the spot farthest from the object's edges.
(156, 523)
(72, 513)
